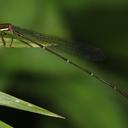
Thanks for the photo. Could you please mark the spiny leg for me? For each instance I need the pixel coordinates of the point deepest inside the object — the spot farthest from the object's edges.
(11, 42)
(2, 38)
(4, 42)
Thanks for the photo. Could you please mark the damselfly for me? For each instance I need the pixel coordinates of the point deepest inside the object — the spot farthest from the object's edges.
(44, 41)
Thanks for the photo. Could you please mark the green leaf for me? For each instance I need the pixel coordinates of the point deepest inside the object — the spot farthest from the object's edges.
(13, 102)
(4, 125)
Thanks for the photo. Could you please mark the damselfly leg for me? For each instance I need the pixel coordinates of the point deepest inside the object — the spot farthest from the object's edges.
(2, 39)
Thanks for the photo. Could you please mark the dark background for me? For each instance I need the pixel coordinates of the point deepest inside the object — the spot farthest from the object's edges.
(41, 78)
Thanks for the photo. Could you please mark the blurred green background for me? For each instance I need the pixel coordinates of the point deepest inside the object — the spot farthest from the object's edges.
(39, 77)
